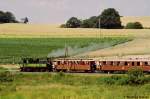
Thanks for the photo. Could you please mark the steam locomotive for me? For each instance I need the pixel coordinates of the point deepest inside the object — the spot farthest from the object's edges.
(82, 65)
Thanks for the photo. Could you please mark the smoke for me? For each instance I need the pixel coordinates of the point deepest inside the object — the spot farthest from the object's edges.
(77, 50)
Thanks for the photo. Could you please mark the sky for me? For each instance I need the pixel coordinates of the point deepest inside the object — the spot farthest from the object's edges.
(58, 11)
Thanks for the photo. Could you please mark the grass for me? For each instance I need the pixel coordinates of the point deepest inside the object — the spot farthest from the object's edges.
(41, 47)
(35, 65)
(68, 86)
(2, 69)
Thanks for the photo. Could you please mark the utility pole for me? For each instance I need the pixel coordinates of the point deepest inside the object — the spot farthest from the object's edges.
(100, 27)
(66, 50)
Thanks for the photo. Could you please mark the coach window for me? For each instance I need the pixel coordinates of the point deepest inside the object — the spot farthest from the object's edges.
(118, 63)
(138, 63)
(104, 62)
(126, 63)
(146, 63)
(133, 63)
(58, 62)
(111, 63)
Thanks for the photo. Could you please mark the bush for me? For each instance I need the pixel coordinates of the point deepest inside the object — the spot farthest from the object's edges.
(6, 77)
(63, 26)
(134, 25)
(136, 76)
(123, 81)
(109, 81)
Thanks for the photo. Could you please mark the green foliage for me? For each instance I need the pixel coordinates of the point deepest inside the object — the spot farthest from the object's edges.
(6, 77)
(136, 76)
(58, 85)
(7, 17)
(123, 81)
(90, 23)
(134, 25)
(73, 22)
(133, 78)
(114, 79)
(110, 19)
(108, 81)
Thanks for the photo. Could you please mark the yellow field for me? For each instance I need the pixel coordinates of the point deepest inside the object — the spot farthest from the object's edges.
(45, 30)
(144, 20)
(140, 44)
(30, 30)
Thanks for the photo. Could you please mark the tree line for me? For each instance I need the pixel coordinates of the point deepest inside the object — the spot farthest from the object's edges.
(9, 17)
(108, 19)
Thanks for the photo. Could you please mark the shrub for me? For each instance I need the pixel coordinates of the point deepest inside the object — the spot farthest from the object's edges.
(6, 77)
(115, 77)
(136, 76)
(123, 81)
(63, 26)
(134, 25)
(109, 81)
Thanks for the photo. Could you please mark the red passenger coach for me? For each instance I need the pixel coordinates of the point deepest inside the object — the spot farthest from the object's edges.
(75, 65)
(124, 65)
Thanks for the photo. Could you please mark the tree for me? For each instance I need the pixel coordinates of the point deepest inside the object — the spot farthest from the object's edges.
(2, 17)
(25, 20)
(86, 23)
(134, 25)
(110, 19)
(10, 18)
(73, 22)
(90, 23)
(7, 17)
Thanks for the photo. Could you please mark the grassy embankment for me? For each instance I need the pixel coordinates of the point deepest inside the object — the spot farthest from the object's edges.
(68, 86)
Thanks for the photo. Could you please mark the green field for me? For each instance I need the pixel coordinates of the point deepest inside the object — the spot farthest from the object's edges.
(42, 47)
(67, 86)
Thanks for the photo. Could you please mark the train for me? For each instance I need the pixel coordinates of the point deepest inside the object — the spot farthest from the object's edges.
(83, 65)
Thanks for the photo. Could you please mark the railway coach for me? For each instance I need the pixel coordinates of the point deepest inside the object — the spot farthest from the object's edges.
(123, 65)
(74, 65)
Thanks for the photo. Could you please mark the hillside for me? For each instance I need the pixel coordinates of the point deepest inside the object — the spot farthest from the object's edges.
(138, 46)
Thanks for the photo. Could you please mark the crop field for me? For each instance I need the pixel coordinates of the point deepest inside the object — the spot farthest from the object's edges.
(45, 30)
(43, 47)
(138, 46)
(48, 31)
(145, 20)
(66, 86)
